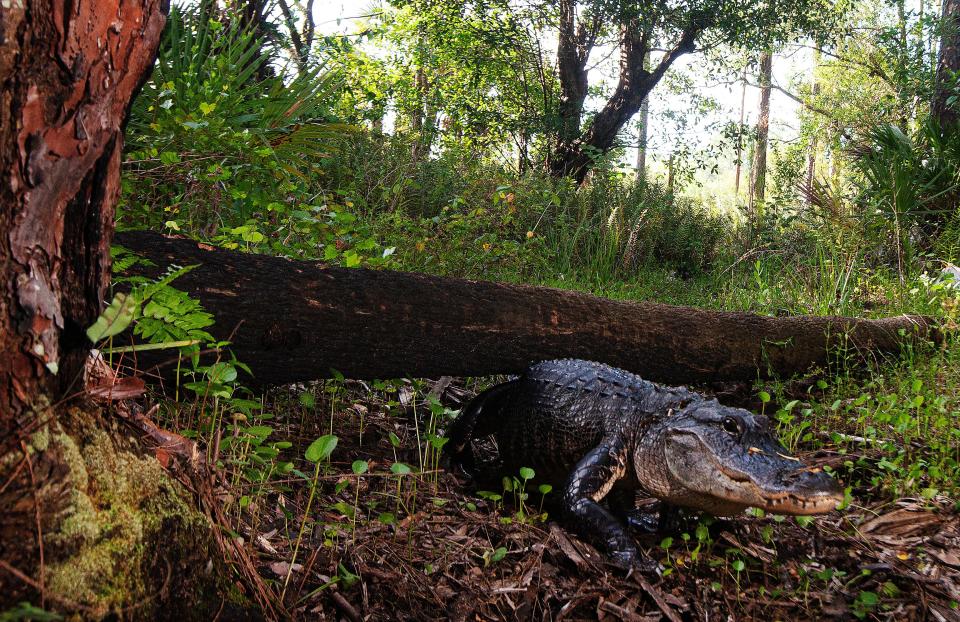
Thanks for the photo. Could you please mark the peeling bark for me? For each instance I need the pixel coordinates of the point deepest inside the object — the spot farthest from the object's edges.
(69, 73)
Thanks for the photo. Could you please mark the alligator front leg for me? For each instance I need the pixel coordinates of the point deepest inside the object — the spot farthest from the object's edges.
(591, 480)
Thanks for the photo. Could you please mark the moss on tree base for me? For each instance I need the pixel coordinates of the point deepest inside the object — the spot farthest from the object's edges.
(120, 536)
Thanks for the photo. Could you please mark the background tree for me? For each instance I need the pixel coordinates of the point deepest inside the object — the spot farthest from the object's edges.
(758, 171)
(945, 98)
(636, 28)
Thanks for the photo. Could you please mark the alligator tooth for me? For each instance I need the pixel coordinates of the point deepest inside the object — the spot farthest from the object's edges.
(785, 457)
(754, 450)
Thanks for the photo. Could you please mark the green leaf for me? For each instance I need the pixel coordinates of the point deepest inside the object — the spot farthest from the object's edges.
(321, 448)
(387, 518)
(223, 373)
(869, 599)
(343, 508)
(169, 157)
(115, 318)
(259, 431)
(400, 468)
(359, 467)
(527, 473)
(252, 236)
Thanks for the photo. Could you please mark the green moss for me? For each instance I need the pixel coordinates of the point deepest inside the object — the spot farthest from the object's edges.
(70, 454)
(127, 530)
(80, 523)
(40, 439)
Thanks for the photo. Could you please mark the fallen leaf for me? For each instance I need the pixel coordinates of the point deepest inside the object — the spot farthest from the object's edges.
(282, 568)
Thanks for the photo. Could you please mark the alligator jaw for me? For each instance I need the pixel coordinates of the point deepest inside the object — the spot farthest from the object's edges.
(802, 505)
(792, 502)
(733, 489)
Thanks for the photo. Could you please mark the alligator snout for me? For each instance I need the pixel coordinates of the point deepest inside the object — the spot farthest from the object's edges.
(812, 481)
(805, 490)
(809, 478)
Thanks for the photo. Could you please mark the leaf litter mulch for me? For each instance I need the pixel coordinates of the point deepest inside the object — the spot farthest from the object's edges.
(390, 545)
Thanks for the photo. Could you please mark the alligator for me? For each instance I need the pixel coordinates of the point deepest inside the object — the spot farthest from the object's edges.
(594, 432)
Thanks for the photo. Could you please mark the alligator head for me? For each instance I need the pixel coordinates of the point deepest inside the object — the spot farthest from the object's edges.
(723, 460)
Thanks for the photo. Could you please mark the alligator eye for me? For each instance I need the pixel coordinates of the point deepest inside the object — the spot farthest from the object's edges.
(731, 425)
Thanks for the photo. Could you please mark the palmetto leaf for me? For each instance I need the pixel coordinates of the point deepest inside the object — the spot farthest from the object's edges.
(234, 93)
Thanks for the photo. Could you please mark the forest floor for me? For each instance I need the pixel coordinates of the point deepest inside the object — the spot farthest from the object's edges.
(382, 543)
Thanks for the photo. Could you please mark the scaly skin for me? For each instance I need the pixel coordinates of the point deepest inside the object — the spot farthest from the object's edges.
(589, 429)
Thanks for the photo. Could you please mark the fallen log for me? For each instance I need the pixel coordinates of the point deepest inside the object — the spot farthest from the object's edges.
(294, 321)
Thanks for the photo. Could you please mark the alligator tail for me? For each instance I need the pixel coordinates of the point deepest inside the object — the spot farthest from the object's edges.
(480, 418)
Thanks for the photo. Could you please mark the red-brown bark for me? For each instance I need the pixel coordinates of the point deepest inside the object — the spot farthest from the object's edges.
(69, 71)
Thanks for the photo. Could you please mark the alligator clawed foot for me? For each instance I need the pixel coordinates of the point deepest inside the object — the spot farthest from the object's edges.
(662, 518)
(631, 561)
(643, 521)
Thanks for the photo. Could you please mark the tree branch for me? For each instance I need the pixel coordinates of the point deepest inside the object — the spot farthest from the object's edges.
(294, 32)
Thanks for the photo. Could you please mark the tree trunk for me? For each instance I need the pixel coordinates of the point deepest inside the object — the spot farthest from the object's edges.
(573, 50)
(644, 127)
(812, 147)
(296, 321)
(743, 107)
(759, 171)
(948, 67)
(670, 171)
(575, 155)
(70, 72)
(89, 524)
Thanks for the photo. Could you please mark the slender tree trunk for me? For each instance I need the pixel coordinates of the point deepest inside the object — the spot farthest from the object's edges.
(644, 125)
(294, 321)
(670, 164)
(523, 153)
(418, 115)
(812, 148)
(948, 68)
(758, 172)
(743, 107)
